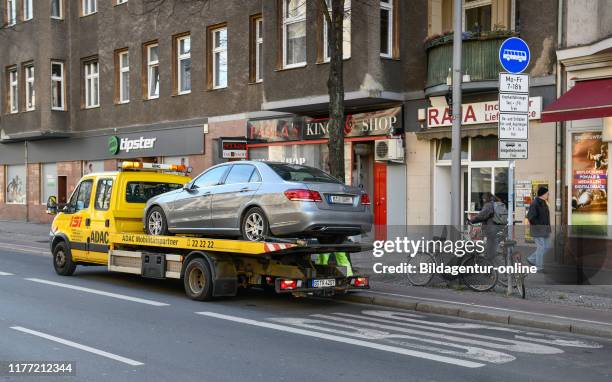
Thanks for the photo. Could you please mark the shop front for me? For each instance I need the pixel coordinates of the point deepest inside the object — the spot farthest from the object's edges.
(373, 151)
(482, 172)
(34, 170)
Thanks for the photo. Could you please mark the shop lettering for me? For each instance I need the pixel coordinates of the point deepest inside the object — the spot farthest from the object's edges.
(317, 128)
(141, 143)
(378, 124)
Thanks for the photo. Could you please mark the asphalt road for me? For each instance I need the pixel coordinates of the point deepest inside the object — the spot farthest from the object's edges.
(122, 327)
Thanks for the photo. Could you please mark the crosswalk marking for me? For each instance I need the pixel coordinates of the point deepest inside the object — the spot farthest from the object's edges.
(413, 335)
(350, 341)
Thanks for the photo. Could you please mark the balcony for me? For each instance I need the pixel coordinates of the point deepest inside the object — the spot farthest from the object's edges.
(479, 61)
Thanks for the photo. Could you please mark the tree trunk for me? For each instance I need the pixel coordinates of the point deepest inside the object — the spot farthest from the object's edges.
(335, 85)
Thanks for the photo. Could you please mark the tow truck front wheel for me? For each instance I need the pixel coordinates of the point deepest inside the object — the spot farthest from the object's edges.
(198, 280)
(62, 260)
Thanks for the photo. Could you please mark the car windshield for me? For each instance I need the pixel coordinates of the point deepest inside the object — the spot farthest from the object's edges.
(140, 192)
(297, 173)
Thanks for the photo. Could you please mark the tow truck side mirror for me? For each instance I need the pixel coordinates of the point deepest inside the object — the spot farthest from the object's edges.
(52, 205)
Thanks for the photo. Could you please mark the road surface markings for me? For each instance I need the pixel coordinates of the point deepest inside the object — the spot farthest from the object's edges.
(488, 307)
(78, 346)
(25, 248)
(99, 292)
(346, 340)
(6, 274)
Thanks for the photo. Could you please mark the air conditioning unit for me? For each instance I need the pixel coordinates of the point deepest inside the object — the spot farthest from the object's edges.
(389, 150)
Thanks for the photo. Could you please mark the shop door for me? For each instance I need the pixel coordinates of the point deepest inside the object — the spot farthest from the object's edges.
(380, 200)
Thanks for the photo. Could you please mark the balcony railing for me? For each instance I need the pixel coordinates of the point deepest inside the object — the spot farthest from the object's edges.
(480, 57)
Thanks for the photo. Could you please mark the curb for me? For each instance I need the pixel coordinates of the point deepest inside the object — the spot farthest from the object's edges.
(538, 322)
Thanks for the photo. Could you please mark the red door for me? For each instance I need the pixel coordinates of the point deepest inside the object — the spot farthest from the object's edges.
(380, 200)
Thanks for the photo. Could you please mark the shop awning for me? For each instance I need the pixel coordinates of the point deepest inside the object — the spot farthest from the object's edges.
(587, 99)
(481, 130)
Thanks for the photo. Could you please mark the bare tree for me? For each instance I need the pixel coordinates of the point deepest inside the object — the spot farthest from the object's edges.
(333, 12)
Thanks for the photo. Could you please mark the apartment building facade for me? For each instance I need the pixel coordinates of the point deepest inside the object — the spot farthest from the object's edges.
(89, 82)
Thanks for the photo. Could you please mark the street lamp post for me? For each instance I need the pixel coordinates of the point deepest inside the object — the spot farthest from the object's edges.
(456, 111)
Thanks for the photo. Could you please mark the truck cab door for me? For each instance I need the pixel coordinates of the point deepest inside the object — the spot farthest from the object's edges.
(101, 221)
(77, 220)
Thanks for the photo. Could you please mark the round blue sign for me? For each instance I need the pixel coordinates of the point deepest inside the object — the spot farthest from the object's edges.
(514, 55)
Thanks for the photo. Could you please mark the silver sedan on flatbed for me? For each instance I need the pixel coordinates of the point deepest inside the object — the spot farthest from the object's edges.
(255, 200)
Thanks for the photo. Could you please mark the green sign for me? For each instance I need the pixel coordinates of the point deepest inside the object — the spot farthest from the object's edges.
(113, 145)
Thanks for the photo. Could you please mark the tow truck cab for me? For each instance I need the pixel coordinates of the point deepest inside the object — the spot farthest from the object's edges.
(103, 204)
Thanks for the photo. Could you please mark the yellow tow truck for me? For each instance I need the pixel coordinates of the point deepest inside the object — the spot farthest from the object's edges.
(102, 225)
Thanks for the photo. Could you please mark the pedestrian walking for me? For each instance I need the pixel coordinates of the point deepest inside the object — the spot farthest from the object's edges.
(539, 220)
(493, 216)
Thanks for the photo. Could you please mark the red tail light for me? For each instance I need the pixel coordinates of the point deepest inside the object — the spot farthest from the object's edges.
(288, 284)
(360, 282)
(303, 195)
(365, 199)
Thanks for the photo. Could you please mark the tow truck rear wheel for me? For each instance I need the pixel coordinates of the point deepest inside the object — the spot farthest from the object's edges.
(198, 280)
(62, 260)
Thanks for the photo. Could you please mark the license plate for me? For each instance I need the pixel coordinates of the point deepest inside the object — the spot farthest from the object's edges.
(323, 283)
(341, 199)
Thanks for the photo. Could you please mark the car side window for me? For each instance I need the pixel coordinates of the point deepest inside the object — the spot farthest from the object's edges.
(81, 197)
(255, 177)
(239, 173)
(103, 194)
(211, 177)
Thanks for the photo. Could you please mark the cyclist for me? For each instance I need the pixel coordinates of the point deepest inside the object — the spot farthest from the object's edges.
(491, 217)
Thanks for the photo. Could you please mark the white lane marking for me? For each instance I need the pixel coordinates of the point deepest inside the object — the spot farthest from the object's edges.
(78, 346)
(447, 335)
(548, 339)
(6, 274)
(24, 248)
(444, 347)
(99, 292)
(349, 341)
(488, 307)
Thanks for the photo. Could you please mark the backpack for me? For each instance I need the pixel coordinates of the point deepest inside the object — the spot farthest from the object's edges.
(500, 213)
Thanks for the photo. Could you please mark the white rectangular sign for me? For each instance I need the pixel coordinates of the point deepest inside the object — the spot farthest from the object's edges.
(513, 103)
(513, 83)
(513, 126)
(512, 150)
(474, 113)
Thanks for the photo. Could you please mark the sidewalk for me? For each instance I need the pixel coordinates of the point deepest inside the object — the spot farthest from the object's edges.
(566, 308)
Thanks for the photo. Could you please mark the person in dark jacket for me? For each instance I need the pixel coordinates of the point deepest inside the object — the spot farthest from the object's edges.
(539, 220)
(490, 229)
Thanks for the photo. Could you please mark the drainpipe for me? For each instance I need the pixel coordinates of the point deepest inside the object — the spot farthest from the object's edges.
(27, 185)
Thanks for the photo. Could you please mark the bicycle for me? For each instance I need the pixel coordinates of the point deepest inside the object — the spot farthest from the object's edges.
(477, 281)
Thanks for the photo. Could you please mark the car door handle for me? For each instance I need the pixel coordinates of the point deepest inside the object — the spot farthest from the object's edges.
(245, 189)
(206, 193)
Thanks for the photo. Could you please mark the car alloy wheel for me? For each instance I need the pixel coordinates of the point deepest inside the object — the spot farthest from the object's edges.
(155, 223)
(254, 226)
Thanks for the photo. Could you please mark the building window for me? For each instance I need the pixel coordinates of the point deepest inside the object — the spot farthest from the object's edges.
(16, 184)
(30, 92)
(183, 64)
(48, 181)
(346, 32)
(121, 2)
(13, 90)
(11, 12)
(57, 86)
(122, 76)
(477, 15)
(294, 33)
(386, 28)
(256, 49)
(218, 55)
(89, 7)
(28, 10)
(152, 54)
(57, 9)
(92, 84)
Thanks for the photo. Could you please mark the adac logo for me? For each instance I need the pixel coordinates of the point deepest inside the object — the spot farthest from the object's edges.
(113, 145)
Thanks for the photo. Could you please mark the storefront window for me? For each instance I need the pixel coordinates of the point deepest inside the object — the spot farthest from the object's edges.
(445, 145)
(484, 148)
(589, 203)
(91, 166)
(501, 183)
(16, 184)
(481, 186)
(48, 181)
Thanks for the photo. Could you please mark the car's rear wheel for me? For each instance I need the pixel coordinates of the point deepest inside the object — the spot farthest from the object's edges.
(156, 222)
(255, 225)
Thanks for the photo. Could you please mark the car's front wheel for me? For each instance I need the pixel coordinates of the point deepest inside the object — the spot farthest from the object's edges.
(255, 225)
(156, 222)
